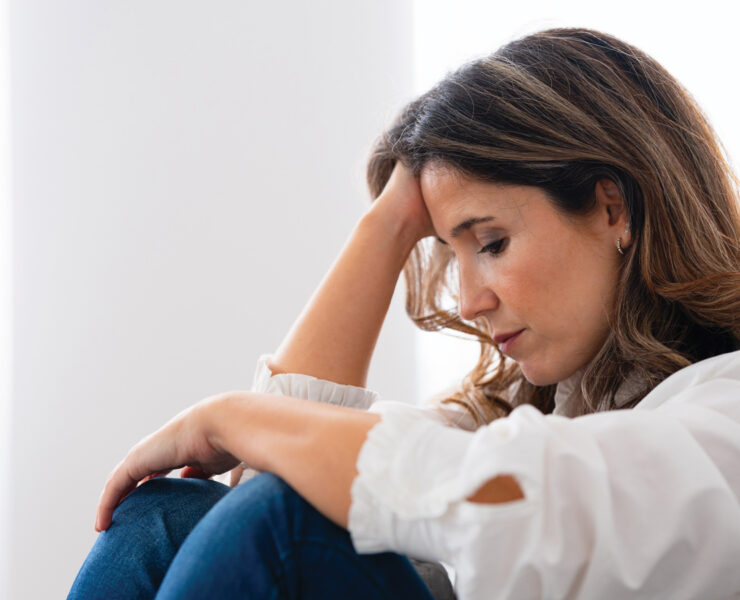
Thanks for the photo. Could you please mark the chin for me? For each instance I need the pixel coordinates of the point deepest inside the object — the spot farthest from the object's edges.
(537, 377)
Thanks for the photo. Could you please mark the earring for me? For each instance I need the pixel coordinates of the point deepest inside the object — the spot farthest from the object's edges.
(619, 240)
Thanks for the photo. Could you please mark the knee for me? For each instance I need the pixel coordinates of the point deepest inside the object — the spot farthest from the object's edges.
(265, 493)
(269, 485)
(163, 489)
(265, 504)
(159, 496)
(256, 522)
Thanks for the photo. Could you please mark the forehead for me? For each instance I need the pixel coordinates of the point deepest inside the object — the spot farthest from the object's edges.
(448, 193)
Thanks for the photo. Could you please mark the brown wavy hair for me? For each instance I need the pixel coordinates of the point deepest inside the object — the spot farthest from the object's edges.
(561, 109)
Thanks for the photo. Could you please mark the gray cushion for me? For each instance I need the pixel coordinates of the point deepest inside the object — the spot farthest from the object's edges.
(436, 579)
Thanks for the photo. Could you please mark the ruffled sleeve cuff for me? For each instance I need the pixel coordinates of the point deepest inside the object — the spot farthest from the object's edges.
(414, 472)
(310, 388)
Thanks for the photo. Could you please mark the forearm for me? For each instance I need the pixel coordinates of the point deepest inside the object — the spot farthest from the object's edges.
(335, 336)
(313, 447)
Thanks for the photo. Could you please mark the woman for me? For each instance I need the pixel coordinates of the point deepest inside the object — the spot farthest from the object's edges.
(565, 202)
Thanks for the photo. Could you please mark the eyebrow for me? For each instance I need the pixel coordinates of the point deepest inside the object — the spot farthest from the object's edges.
(457, 230)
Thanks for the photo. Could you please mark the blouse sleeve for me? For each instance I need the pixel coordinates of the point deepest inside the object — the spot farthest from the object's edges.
(310, 388)
(639, 503)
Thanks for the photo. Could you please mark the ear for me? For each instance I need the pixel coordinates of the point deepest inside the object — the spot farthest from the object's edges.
(613, 210)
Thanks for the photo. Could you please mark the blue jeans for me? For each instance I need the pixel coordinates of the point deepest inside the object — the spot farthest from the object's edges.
(194, 538)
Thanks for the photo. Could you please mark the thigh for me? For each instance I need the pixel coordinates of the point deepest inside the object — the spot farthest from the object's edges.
(130, 558)
(264, 541)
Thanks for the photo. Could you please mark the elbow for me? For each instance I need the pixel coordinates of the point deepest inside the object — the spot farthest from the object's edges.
(503, 488)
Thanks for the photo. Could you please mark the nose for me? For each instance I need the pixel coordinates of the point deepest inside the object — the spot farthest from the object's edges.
(476, 294)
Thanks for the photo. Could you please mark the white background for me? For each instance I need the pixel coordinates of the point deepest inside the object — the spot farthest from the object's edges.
(176, 177)
(184, 173)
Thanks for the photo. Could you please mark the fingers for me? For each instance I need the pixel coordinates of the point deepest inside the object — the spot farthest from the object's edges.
(118, 486)
(403, 198)
(236, 475)
(193, 472)
(121, 482)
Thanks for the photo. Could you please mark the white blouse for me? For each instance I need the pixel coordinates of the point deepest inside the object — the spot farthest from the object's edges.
(640, 503)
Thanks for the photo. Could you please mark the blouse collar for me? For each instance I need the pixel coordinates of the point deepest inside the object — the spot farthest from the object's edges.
(569, 400)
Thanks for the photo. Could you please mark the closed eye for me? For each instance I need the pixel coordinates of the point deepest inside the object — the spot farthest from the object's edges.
(493, 248)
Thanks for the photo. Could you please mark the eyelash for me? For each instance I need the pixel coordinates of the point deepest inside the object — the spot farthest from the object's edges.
(494, 248)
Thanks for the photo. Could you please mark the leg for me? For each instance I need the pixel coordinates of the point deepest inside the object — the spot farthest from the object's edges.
(130, 558)
(264, 541)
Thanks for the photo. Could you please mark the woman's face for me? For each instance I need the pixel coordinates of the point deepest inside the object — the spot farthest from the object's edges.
(523, 266)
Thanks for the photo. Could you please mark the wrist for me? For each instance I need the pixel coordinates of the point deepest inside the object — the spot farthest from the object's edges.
(236, 425)
(218, 414)
(393, 226)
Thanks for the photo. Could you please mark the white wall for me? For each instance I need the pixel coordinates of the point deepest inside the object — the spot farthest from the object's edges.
(183, 175)
(6, 321)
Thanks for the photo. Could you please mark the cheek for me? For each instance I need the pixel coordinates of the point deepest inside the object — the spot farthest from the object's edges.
(579, 289)
(533, 283)
(551, 287)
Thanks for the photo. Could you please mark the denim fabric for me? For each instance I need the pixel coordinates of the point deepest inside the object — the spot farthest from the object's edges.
(192, 538)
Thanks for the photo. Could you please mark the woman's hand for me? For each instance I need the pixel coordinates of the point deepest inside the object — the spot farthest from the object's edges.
(236, 475)
(402, 197)
(185, 441)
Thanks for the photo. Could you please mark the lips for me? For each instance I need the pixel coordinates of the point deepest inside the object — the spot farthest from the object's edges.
(507, 345)
(499, 339)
